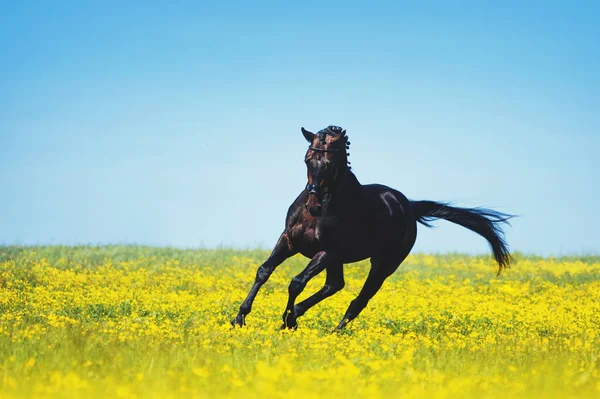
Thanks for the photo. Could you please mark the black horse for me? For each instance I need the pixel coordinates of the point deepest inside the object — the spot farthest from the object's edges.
(337, 220)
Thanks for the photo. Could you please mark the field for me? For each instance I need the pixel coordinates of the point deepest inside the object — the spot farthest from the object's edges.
(146, 322)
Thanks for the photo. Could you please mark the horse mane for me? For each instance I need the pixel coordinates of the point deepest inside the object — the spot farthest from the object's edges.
(333, 130)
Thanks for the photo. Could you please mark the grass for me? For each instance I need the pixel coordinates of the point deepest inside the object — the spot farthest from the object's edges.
(131, 321)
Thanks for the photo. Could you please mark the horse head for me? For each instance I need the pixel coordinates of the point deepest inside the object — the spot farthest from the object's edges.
(326, 161)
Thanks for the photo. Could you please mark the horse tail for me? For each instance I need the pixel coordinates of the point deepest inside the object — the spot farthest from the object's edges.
(485, 222)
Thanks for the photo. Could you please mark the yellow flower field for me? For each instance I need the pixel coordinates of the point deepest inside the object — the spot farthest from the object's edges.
(147, 322)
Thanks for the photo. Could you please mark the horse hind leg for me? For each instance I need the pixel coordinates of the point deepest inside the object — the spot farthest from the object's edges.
(382, 266)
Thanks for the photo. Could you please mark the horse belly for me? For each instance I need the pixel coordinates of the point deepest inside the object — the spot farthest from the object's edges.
(363, 240)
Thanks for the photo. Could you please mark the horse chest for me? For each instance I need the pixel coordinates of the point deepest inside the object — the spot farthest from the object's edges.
(310, 235)
(305, 233)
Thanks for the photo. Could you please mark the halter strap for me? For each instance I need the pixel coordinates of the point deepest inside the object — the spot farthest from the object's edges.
(323, 149)
(317, 189)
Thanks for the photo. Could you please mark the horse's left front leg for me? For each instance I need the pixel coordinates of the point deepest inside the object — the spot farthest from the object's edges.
(318, 263)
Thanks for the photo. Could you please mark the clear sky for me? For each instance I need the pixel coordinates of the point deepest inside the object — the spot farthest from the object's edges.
(179, 123)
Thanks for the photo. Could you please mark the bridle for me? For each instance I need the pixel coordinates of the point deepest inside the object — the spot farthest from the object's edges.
(315, 188)
(310, 147)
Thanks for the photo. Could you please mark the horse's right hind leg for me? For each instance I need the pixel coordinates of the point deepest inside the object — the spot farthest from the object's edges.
(382, 266)
(281, 252)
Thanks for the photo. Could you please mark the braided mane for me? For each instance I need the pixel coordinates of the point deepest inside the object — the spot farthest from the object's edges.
(336, 130)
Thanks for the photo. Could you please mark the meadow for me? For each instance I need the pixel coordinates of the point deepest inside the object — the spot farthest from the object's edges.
(134, 322)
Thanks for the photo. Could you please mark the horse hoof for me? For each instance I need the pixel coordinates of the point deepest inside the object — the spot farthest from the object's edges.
(340, 326)
(238, 322)
(289, 323)
(289, 327)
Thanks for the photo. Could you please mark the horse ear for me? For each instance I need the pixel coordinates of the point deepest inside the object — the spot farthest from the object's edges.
(308, 135)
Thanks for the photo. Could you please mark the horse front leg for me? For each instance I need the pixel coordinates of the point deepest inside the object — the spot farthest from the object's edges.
(281, 252)
(318, 263)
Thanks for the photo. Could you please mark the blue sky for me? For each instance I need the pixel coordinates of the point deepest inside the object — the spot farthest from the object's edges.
(179, 123)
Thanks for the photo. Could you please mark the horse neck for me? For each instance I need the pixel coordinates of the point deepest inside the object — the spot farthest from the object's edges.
(348, 183)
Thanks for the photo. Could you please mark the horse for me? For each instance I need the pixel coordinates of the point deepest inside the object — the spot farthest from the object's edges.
(336, 220)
